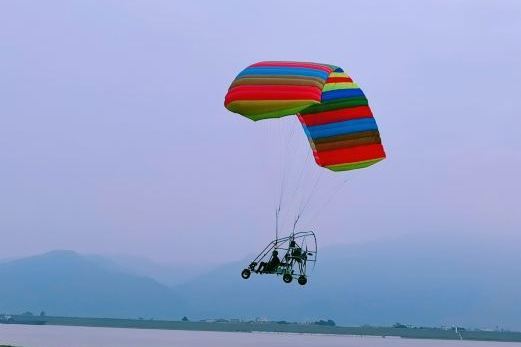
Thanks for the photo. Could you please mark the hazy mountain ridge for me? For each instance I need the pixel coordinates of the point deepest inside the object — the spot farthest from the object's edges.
(66, 283)
(466, 282)
(168, 274)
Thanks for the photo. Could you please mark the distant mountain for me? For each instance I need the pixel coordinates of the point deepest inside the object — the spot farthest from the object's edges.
(169, 274)
(433, 281)
(66, 283)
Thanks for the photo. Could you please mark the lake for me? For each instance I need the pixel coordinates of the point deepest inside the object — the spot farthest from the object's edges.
(65, 336)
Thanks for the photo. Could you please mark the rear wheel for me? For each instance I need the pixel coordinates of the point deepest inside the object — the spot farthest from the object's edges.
(245, 274)
(302, 280)
(287, 278)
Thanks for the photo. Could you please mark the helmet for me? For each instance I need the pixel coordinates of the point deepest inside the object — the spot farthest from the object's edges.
(275, 253)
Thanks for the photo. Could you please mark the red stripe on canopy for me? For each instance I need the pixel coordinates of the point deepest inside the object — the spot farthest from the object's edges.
(339, 80)
(273, 92)
(339, 115)
(349, 155)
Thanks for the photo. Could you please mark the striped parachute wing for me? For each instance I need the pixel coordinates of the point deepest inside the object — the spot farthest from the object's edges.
(332, 109)
(341, 129)
(276, 89)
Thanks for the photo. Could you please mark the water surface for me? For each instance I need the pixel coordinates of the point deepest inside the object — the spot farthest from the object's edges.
(64, 336)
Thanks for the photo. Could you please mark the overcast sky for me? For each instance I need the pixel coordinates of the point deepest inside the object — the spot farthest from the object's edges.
(114, 138)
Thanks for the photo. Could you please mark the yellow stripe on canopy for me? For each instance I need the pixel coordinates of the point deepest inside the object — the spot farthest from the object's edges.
(340, 85)
(338, 74)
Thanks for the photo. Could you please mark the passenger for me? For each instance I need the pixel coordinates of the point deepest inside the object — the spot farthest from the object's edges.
(271, 266)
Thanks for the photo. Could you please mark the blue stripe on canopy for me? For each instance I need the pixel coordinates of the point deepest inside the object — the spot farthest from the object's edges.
(340, 128)
(283, 71)
(341, 93)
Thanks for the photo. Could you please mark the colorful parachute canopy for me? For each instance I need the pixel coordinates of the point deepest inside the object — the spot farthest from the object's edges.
(332, 109)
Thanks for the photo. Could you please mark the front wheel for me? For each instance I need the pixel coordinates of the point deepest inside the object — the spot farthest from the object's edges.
(287, 278)
(245, 274)
(302, 280)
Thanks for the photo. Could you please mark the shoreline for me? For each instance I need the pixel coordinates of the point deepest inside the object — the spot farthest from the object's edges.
(285, 328)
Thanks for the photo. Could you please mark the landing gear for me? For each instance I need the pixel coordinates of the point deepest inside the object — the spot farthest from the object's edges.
(245, 274)
(302, 280)
(287, 278)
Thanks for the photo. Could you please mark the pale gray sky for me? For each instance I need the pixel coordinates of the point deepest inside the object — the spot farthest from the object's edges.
(114, 138)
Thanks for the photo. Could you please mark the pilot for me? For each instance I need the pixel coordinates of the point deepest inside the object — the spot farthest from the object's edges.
(295, 252)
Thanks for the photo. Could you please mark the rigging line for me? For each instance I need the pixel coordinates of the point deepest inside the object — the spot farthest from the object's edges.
(295, 225)
(310, 177)
(282, 152)
(328, 193)
(265, 150)
(282, 162)
(278, 142)
(309, 173)
(276, 226)
(305, 182)
(283, 144)
(289, 160)
(319, 176)
(297, 185)
(301, 173)
(329, 197)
